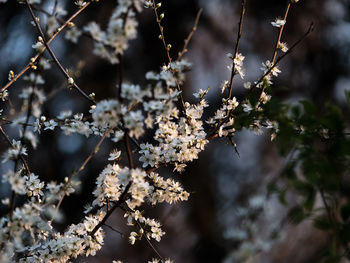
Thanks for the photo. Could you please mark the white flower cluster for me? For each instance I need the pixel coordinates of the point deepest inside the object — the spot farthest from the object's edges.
(141, 187)
(172, 74)
(237, 63)
(122, 28)
(278, 22)
(180, 139)
(150, 227)
(75, 124)
(30, 234)
(223, 120)
(15, 151)
(73, 242)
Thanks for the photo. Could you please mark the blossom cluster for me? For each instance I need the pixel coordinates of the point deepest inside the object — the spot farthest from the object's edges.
(122, 27)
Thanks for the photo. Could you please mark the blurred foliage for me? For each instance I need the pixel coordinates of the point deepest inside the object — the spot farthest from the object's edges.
(316, 144)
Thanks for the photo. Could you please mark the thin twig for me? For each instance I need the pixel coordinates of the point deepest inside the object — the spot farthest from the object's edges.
(81, 168)
(54, 56)
(147, 239)
(120, 77)
(311, 28)
(34, 59)
(239, 34)
(167, 51)
(110, 212)
(234, 145)
(54, 8)
(128, 150)
(277, 42)
(189, 37)
(161, 29)
(115, 230)
(62, 21)
(149, 242)
(280, 33)
(328, 209)
(29, 112)
(13, 194)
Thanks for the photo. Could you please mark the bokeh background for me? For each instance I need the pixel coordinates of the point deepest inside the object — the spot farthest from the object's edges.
(229, 216)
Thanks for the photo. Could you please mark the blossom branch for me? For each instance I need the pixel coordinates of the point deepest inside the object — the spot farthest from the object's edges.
(54, 56)
(278, 41)
(311, 28)
(11, 145)
(81, 168)
(29, 112)
(167, 48)
(34, 59)
(234, 145)
(110, 212)
(144, 231)
(149, 242)
(239, 34)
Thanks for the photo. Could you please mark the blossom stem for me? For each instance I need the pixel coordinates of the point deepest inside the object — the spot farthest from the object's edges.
(120, 77)
(128, 150)
(20, 155)
(273, 60)
(167, 51)
(81, 168)
(144, 231)
(311, 28)
(280, 33)
(110, 212)
(239, 35)
(54, 56)
(30, 64)
(29, 112)
(149, 242)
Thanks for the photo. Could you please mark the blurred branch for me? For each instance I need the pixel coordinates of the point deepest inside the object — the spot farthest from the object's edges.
(188, 39)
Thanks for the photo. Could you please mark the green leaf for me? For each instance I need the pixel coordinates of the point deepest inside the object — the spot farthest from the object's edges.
(295, 110)
(345, 233)
(322, 223)
(345, 212)
(347, 96)
(309, 107)
(296, 214)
